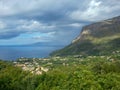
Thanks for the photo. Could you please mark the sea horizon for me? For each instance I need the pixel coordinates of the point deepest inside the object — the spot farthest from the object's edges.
(13, 52)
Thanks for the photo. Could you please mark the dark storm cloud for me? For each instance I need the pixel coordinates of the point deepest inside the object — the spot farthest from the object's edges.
(9, 35)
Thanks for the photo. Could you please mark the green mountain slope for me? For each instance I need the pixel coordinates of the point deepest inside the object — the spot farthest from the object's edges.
(99, 38)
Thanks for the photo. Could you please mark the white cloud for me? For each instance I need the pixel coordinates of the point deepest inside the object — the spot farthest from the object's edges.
(2, 25)
(89, 14)
(76, 25)
(5, 9)
(31, 25)
(94, 3)
(97, 10)
(34, 26)
(28, 27)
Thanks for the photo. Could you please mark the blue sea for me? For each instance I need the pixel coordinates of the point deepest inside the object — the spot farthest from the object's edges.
(15, 52)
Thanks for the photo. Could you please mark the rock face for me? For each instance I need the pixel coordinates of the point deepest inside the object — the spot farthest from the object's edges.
(101, 29)
(95, 39)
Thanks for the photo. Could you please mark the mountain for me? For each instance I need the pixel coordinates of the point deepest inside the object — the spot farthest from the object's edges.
(45, 44)
(39, 44)
(99, 38)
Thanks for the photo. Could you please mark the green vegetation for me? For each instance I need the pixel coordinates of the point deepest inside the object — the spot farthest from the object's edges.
(66, 73)
(89, 48)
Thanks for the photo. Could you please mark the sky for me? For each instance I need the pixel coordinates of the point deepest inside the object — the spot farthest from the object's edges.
(50, 21)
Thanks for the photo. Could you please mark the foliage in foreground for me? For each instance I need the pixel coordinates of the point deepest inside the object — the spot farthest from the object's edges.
(91, 74)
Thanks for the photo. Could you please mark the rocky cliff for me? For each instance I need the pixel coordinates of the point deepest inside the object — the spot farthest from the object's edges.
(95, 39)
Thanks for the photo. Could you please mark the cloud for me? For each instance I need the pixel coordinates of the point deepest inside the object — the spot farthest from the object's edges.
(10, 30)
(97, 10)
(21, 6)
(90, 13)
(2, 25)
(34, 26)
(51, 20)
(76, 25)
(9, 34)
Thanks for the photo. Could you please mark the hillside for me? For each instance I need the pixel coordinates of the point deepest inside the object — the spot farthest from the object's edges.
(99, 38)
